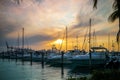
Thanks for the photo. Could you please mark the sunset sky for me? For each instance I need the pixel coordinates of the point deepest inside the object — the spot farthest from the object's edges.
(45, 21)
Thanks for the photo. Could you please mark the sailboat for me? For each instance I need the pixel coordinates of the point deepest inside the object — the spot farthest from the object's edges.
(55, 59)
(95, 57)
(99, 56)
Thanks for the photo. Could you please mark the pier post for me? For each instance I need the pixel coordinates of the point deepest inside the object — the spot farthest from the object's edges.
(16, 56)
(31, 58)
(8, 55)
(23, 46)
(3, 55)
(22, 57)
(42, 59)
(90, 56)
(62, 65)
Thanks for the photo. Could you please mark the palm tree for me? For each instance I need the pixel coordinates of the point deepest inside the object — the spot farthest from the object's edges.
(95, 4)
(115, 15)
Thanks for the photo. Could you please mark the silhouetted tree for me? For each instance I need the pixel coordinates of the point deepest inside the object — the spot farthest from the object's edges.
(115, 15)
(95, 4)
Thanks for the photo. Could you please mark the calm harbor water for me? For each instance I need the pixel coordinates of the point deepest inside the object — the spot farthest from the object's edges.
(11, 70)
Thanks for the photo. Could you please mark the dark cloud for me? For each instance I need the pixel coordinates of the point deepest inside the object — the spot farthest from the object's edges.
(98, 16)
(28, 40)
(84, 21)
(10, 22)
(39, 1)
(39, 38)
(7, 3)
(105, 32)
(7, 27)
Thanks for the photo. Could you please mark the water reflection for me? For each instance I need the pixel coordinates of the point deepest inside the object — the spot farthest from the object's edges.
(16, 71)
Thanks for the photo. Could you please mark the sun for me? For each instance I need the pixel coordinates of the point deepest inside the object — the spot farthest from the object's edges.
(58, 41)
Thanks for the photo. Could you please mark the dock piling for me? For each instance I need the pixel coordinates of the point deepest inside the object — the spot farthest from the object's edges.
(16, 56)
(62, 65)
(42, 59)
(31, 58)
(3, 56)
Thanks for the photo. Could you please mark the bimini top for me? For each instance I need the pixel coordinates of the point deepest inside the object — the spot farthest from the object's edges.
(99, 48)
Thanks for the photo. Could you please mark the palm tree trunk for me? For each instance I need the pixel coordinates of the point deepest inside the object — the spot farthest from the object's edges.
(119, 28)
(119, 36)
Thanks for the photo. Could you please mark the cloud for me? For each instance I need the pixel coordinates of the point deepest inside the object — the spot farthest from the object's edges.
(31, 40)
(6, 27)
(98, 16)
(86, 22)
(39, 38)
(44, 19)
(5, 3)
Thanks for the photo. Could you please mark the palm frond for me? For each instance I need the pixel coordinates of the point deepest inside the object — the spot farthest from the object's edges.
(113, 16)
(95, 4)
(116, 4)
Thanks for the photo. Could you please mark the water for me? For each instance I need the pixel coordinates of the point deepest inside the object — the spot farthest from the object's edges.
(10, 70)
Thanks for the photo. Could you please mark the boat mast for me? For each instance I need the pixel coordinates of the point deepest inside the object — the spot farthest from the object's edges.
(66, 38)
(108, 41)
(77, 41)
(22, 45)
(85, 36)
(18, 41)
(62, 42)
(93, 39)
(90, 62)
(72, 45)
(23, 38)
